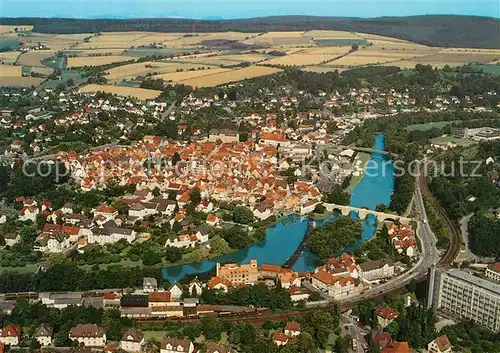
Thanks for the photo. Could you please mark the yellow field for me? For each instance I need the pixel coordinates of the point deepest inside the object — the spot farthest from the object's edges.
(139, 93)
(97, 60)
(35, 58)
(10, 71)
(142, 69)
(372, 37)
(53, 42)
(323, 69)
(311, 56)
(442, 59)
(316, 34)
(9, 29)
(20, 81)
(9, 56)
(41, 70)
(252, 58)
(124, 40)
(178, 77)
(230, 76)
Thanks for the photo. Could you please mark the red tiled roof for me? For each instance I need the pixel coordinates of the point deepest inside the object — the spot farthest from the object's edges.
(396, 347)
(495, 267)
(292, 326)
(280, 337)
(11, 330)
(387, 312)
(159, 297)
(443, 343)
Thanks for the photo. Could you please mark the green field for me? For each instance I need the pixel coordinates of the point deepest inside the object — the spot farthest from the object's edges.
(447, 139)
(341, 42)
(77, 76)
(9, 44)
(428, 126)
(145, 52)
(55, 62)
(490, 69)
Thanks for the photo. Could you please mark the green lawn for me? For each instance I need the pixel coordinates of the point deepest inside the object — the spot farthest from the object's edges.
(55, 62)
(428, 126)
(447, 139)
(65, 76)
(355, 180)
(156, 335)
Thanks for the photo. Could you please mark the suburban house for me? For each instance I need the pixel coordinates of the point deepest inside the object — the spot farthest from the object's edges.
(396, 347)
(149, 284)
(195, 287)
(12, 239)
(28, 213)
(212, 220)
(176, 291)
(439, 345)
(292, 329)
(377, 269)
(280, 339)
(110, 233)
(385, 315)
(10, 334)
(211, 347)
(43, 334)
(175, 345)
(298, 294)
(188, 241)
(262, 212)
(89, 334)
(132, 340)
(55, 242)
(219, 284)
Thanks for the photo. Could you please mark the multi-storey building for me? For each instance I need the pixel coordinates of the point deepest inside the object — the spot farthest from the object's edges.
(88, 334)
(464, 295)
(236, 274)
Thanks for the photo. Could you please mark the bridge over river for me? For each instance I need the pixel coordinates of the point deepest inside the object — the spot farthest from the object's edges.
(364, 212)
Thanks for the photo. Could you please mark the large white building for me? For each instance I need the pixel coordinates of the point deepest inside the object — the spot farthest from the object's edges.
(89, 334)
(493, 271)
(464, 295)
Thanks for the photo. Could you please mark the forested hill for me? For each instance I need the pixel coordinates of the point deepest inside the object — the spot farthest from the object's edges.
(435, 30)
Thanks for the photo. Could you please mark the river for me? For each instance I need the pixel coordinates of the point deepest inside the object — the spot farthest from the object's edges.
(282, 239)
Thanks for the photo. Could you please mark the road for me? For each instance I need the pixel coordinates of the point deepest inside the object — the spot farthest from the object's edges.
(428, 257)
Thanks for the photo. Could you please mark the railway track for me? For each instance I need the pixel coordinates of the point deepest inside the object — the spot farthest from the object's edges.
(455, 235)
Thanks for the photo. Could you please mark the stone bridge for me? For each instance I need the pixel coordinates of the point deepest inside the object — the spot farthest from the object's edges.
(363, 213)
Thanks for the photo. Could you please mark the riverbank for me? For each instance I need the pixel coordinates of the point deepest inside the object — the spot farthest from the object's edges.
(361, 160)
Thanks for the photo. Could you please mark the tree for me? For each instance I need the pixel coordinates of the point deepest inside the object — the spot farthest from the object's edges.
(211, 327)
(242, 215)
(2, 240)
(218, 246)
(173, 254)
(176, 227)
(195, 196)
(112, 322)
(176, 157)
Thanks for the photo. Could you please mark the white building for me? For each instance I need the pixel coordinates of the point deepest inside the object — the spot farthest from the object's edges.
(10, 334)
(174, 345)
(376, 270)
(439, 345)
(461, 294)
(89, 334)
(43, 334)
(132, 340)
(492, 271)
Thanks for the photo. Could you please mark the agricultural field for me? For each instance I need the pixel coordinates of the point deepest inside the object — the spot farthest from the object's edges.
(96, 60)
(12, 29)
(139, 93)
(451, 58)
(179, 77)
(10, 71)
(9, 44)
(9, 57)
(34, 58)
(310, 56)
(131, 71)
(45, 71)
(230, 76)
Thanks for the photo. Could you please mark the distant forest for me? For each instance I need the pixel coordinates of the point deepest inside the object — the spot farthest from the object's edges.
(435, 30)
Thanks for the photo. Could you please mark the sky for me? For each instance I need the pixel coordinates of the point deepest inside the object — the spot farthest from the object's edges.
(230, 9)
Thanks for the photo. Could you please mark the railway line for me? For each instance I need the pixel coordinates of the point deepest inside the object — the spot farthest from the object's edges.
(455, 237)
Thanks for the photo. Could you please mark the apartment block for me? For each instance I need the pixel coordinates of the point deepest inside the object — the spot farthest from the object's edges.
(239, 274)
(464, 295)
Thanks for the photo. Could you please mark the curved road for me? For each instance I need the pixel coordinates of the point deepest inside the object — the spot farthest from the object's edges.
(429, 256)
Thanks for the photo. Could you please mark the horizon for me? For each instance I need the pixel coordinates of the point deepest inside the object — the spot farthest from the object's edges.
(235, 9)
